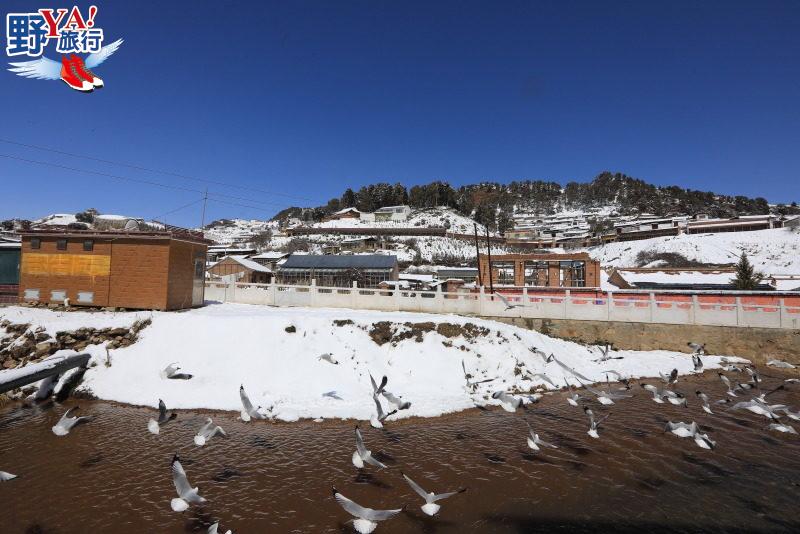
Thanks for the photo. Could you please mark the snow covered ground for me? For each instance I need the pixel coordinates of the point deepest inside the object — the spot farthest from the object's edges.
(770, 251)
(226, 345)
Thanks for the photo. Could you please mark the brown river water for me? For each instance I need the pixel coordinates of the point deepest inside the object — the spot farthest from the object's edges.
(111, 475)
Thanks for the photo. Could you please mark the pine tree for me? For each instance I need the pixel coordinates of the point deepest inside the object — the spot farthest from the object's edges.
(746, 276)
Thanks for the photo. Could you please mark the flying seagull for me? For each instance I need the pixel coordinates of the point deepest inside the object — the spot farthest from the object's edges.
(697, 347)
(573, 396)
(171, 372)
(332, 394)
(759, 407)
(698, 363)
(66, 422)
(570, 370)
(782, 427)
(248, 412)
(508, 402)
(506, 303)
(545, 358)
(430, 507)
(605, 355)
(472, 385)
(377, 419)
(5, 477)
(328, 357)
(605, 397)
(727, 382)
(684, 430)
(187, 495)
(163, 418)
(704, 398)
(397, 401)
(362, 455)
(214, 529)
(790, 414)
(208, 431)
(534, 440)
(377, 390)
(670, 378)
(593, 424)
(620, 378)
(366, 518)
(544, 377)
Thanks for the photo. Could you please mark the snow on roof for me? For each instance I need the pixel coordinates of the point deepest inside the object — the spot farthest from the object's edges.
(392, 208)
(346, 210)
(10, 244)
(425, 278)
(361, 261)
(250, 264)
(688, 276)
(270, 255)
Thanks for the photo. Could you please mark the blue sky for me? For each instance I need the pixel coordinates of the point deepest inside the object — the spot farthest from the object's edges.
(307, 98)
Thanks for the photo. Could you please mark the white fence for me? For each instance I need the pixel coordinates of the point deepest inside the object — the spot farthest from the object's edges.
(535, 306)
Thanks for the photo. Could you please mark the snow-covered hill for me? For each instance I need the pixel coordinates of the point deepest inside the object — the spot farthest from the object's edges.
(419, 218)
(238, 231)
(770, 251)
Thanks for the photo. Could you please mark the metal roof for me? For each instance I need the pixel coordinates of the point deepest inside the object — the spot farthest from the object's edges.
(329, 261)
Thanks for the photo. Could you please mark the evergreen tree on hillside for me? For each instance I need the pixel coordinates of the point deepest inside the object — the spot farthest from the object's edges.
(348, 199)
(746, 276)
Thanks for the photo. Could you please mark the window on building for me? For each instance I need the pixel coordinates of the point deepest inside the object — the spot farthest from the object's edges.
(537, 273)
(572, 273)
(503, 272)
(58, 295)
(86, 297)
(31, 294)
(88, 245)
(61, 244)
(36, 244)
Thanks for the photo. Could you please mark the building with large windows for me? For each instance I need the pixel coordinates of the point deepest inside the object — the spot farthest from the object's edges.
(368, 270)
(540, 270)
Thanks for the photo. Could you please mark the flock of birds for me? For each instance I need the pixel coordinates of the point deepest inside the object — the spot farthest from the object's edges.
(366, 519)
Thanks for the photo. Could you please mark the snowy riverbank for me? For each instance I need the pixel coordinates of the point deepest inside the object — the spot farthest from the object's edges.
(274, 353)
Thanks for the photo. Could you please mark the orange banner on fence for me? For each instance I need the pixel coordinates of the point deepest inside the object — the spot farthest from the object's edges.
(66, 264)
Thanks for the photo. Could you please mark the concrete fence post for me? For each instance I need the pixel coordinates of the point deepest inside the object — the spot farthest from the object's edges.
(781, 312)
(609, 305)
(312, 297)
(439, 298)
(739, 311)
(398, 298)
(354, 295)
(567, 303)
(652, 306)
(695, 308)
(481, 295)
(522, 312)
(272, 293)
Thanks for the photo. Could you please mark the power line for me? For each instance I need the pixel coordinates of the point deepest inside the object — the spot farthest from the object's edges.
(157, 217)
(137, 180)
(155, 171)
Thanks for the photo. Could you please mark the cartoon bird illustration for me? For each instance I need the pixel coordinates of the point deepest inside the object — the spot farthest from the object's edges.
(73, 70)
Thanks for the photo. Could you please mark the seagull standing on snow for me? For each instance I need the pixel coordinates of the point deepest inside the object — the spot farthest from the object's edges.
(366, 518)
(163, 418)
(214, 529)
(704, 398)
(534, 440)
(5, 477)
(430, 507)
(248, 412)
(66, 423)
(593, 424)
(328, 357)
(171, 372)
(362, 455)
(208, 431)
(684, 430)
(186, 493)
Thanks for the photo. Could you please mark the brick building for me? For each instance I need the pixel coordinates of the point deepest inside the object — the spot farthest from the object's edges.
(241, 269)
(540, 270)
(159, 270)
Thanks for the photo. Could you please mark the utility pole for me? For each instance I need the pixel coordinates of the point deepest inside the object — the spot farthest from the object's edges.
(203, 216)
(489, 251)
(477, 254)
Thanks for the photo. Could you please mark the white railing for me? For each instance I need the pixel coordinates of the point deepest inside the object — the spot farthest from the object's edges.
(607, 307)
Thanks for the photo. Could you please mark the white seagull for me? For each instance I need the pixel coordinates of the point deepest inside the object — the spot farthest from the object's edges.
(430, 507)
(508, 402)
(214, 529)
(704, 398)
(66, 423)
(534, 440)
(366, 518)
(153, 425)
(782, 427)
(328, 357)
(376, 420)
(544, 377)
(186, 493)
(208, 431)
(171, 372)
(684, 430)
(573, 396)
(593, 424)
(605, 397)
(670, 378)
(397, 401)
(468, 377)
(377, 390)
(362, 455)
(727, 382)
(506, 303)
(780, 364)
(697, 347)
(248, 412)
(545, 358)
(5, 477)
(698, 363)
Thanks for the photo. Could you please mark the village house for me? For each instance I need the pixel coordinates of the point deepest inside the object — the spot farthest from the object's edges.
(359, 244)
(368, 270)
(217, 252)
(10, 249)
(155, 269)
(540, 270)
(240, 269)
(346, 213)
(271, 259)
